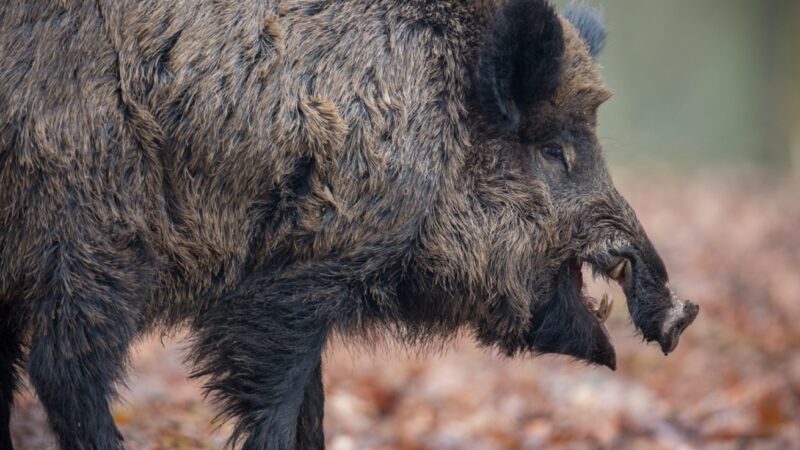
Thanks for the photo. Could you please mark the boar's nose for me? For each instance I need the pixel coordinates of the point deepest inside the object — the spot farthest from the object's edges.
(679, 316)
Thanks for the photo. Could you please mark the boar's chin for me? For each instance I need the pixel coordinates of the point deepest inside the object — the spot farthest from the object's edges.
(571, 323)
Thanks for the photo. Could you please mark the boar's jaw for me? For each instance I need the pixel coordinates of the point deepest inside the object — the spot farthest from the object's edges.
(568, 324)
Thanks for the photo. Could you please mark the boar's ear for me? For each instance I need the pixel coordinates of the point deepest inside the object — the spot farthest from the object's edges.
(519, 61)
(589, 23)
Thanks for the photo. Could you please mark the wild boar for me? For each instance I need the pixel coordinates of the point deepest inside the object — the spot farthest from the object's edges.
(264, 174)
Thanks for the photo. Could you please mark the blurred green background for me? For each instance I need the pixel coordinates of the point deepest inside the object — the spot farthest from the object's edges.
(701, 84)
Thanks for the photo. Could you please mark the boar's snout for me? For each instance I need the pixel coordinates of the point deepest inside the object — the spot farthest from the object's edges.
(618, 248)
(655, 308)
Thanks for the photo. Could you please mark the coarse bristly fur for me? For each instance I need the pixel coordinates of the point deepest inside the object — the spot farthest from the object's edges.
(268, 173)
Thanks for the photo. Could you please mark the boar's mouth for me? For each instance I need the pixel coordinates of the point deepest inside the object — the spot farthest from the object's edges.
(573, 322)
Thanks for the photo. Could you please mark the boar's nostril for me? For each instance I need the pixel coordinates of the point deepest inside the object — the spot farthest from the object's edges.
(677, 326)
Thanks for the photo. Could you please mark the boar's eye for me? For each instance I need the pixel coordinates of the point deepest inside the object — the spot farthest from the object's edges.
(555, 152)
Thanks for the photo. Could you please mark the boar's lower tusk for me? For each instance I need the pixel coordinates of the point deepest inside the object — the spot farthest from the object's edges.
(603, 312)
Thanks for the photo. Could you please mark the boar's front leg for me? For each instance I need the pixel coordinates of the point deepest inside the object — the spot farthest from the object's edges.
(10, 358)
(260, 348)
(82, 325)
(310, 435)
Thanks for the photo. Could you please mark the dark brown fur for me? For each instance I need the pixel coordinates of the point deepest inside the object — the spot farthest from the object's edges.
(267, 172)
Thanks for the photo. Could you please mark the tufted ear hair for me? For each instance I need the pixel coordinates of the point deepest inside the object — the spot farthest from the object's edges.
(589, 23)
(520, 61)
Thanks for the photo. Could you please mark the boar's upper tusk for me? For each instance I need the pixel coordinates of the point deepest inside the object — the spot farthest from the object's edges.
(620, 269)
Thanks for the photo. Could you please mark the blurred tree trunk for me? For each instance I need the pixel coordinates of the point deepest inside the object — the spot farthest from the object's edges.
(793, 55)
(782, 56)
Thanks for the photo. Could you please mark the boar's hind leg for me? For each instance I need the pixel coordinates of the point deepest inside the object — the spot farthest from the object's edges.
(81, 332)
(10, 356)
(260, 349)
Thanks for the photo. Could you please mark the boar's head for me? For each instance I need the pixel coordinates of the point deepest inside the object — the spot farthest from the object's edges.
(539, 201)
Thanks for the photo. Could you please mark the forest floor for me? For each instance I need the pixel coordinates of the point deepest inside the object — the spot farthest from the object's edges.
(732, 245)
